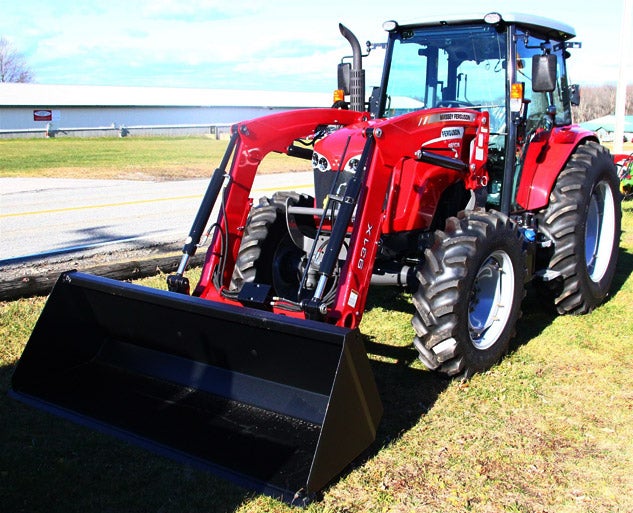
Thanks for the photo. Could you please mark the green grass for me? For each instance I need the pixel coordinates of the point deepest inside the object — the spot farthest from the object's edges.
(148, 158)
(548, 429)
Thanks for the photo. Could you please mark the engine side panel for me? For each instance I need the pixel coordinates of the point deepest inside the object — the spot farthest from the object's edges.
(415, 187)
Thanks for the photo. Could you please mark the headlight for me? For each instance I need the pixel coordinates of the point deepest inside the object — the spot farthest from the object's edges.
(352, 164)
(320, 162)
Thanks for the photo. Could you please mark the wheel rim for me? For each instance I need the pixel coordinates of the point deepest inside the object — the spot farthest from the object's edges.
(286, 269)
(599, 234)
(491, 300)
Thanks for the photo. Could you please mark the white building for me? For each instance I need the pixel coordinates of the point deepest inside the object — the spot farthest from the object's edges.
(37, 110)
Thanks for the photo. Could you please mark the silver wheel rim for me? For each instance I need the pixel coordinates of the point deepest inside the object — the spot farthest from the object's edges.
(599, 235)
(491, 300)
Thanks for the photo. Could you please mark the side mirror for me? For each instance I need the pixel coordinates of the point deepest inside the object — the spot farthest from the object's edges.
(574, 94)
(374, 101)
(344, 76)
(543, 73)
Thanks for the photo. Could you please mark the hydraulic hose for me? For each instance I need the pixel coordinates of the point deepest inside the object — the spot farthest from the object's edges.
(177, 282)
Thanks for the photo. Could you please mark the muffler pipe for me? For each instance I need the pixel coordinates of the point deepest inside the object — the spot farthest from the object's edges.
(357, 76)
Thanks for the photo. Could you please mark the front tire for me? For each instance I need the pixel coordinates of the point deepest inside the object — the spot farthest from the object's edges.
(583, 221)
(470, 293)
(267, 254)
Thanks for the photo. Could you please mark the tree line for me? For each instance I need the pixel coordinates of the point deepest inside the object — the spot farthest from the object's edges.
(598, 101)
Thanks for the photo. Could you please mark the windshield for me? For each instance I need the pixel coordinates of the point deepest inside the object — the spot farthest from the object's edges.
(447, 66)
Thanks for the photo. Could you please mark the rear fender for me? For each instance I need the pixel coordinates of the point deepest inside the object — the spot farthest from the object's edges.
(546, 155)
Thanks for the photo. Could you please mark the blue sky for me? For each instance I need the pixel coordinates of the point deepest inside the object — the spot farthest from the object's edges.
(253, 44)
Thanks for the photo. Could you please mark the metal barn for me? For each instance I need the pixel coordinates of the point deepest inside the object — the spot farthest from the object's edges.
(38, 110)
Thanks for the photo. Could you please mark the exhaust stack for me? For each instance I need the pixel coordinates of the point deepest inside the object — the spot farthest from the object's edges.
(357, 78)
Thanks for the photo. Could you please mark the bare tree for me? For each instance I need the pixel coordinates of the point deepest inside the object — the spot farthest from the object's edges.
(598, 101)
(13, 67)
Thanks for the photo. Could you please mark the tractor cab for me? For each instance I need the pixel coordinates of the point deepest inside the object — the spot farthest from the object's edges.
(513, 67)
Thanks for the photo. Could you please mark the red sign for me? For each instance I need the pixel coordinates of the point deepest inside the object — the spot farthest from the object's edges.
(43, 115)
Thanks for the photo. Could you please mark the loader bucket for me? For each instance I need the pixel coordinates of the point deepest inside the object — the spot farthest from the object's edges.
(277, 404)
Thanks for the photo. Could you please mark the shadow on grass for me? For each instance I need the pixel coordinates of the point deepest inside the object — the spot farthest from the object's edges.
(622, 271)
(539, 314)
(48, 464)
(409, 393)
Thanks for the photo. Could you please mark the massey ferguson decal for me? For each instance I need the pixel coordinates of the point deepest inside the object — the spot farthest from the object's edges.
(443, 117)
(452, 136)
(454, 132)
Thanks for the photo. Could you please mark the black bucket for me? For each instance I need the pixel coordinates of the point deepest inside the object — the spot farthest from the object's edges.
(277, 404)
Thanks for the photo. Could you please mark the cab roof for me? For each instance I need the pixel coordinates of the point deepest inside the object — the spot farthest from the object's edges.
(553, 29)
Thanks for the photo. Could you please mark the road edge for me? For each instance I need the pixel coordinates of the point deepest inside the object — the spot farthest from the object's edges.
(37, 278)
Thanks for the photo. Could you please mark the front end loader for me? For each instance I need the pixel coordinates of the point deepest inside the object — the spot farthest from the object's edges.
(459, 180)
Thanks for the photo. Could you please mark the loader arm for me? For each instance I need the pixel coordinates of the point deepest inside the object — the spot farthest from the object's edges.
(255, 140)
(364, 207)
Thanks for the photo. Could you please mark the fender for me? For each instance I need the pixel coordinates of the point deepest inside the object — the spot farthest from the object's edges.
(546, 155)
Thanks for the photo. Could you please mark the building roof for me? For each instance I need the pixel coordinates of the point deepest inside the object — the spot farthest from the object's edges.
(42, 95)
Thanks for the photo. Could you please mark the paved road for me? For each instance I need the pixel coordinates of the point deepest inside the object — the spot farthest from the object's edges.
(49, 217)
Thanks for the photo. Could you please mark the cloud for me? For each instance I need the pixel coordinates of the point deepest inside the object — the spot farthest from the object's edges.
(101, 48)
(215, 43)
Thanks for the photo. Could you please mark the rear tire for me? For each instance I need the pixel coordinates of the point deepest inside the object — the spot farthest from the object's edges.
(583, 221)
(267, 254)
(470, 293)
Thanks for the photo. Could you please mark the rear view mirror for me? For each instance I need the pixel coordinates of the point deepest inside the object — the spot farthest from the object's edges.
(344, 74)
(574, 94)
(543, 73)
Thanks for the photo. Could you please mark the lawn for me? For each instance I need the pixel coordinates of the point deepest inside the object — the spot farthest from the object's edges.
(131, 158)
(548, 429)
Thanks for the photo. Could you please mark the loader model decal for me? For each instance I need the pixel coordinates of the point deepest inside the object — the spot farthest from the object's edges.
(360, 264)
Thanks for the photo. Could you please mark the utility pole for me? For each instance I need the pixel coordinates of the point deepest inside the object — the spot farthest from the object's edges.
(620, 95)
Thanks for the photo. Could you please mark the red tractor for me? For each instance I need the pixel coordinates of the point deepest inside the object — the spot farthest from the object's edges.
(460, 178)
